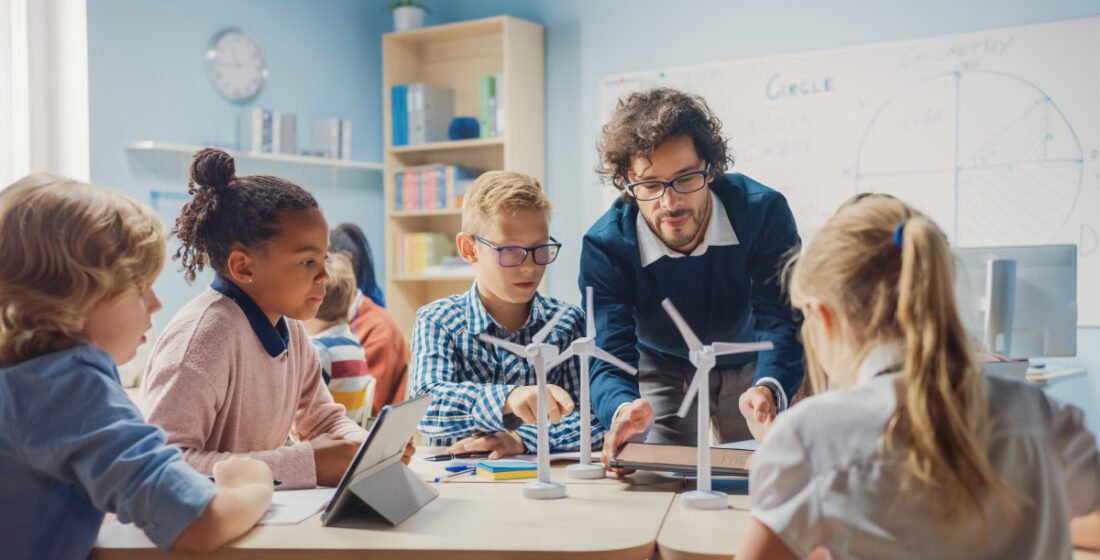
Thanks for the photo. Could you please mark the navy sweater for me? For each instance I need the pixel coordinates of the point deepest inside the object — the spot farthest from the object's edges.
(728, 294)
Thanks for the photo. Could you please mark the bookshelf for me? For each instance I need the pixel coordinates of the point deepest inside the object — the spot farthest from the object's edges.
(454, 56)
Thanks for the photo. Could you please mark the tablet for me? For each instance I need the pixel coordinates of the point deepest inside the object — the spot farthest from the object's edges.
(681, 459)
(377, 482)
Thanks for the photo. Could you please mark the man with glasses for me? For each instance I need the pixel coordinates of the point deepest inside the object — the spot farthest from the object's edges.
(485, 398)
(711, 242)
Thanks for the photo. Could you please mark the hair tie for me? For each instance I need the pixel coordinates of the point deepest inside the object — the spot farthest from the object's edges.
(898, 238)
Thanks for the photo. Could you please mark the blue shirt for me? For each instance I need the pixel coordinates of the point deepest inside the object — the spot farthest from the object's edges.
(470, 379)
(730, 293)
(73, 446)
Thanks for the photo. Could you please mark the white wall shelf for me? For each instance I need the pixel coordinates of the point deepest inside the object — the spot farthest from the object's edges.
(149, 145)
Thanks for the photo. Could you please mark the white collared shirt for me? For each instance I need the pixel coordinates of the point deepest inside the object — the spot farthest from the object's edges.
(719, 232)
(819, 477)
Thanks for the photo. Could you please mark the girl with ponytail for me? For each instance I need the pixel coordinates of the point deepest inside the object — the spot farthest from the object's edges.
(914, 454)
(234, 372)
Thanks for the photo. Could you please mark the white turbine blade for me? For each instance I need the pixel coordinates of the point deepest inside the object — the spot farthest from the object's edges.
(607, 357)
(722, 348)
(590, 332)
(697, 383)
(509, 346)
(685, 331)
(545, 330)
(561, 358)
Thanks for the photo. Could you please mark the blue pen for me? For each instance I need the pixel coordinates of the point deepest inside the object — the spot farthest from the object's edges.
(464, 470)
(273, 482)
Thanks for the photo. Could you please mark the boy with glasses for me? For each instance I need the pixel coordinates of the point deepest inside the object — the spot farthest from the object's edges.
(711, 242)
(485, 397)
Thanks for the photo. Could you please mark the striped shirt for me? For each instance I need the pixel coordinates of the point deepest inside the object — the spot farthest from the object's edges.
(344, 368)
(470, 379)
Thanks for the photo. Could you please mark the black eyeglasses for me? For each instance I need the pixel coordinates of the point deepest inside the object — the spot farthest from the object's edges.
(684, 184)
(511, 255)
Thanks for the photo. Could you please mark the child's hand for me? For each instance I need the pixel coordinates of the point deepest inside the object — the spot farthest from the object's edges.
(523, 402)
(500, 444)
(235, 472)
(410, 450)
(332, 455)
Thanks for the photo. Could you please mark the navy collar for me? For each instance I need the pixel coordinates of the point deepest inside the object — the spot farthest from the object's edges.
(275, 338)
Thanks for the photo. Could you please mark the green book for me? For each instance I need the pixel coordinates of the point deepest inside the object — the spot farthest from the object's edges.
(485, 113)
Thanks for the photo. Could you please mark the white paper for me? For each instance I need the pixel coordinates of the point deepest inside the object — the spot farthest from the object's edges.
(291, 507)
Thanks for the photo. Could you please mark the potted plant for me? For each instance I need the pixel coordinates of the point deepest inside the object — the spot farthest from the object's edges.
(407, 14)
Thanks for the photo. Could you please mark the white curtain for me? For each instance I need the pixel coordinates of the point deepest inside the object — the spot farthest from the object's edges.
(43, 88)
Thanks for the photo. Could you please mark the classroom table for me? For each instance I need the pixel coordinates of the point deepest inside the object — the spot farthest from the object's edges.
(605, 521)
(706, 535)
(610, 518)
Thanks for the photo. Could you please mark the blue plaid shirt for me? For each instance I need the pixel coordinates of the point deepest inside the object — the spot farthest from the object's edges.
(470, 379)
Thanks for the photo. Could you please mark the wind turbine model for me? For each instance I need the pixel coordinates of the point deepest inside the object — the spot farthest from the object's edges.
(582, 348)
(703, 358)
(539, 355)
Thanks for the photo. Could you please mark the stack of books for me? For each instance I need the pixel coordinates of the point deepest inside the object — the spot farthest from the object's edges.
(417, 251)
(265, 131)
(420, 113)
(507, 469)
(435, 186)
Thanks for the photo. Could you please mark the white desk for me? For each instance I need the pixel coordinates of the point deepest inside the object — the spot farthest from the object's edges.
(698, 535)
(476, 521)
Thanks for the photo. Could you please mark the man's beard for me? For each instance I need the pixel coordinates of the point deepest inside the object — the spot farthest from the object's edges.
(696, 220)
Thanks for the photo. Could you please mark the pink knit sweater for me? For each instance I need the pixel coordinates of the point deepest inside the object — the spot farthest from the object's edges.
(216, 392)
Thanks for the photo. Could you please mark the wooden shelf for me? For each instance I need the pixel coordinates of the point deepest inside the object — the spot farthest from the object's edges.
(466, 276)
(151, 146)
(473, 143)
(434, 213)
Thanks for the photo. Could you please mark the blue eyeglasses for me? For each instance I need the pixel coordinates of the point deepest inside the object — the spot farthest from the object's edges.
(684, 184)
(512, 256)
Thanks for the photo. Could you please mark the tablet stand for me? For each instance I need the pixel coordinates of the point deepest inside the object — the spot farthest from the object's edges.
(393, 493)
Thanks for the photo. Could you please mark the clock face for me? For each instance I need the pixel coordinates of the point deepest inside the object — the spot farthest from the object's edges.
(236, 65)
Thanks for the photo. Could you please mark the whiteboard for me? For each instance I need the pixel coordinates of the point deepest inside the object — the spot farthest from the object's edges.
(994, 134)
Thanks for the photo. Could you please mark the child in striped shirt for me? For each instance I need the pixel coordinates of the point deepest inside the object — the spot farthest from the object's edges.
(482, 395)
(343, 362)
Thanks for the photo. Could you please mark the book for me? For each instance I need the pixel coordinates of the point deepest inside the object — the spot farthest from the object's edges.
(286, 134)
(326, 137)
(345, 138)
(255, 131)
(399, 114)
(430, 111)
(505, 469)
(487, 89)
(498, 105)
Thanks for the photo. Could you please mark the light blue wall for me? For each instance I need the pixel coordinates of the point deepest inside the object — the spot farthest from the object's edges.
(147, 81)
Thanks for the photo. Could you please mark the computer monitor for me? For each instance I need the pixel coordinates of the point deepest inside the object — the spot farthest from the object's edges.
(1020, 301)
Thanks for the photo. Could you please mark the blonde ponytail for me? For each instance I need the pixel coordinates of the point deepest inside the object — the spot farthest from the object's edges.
(887, 269)
(943, 422)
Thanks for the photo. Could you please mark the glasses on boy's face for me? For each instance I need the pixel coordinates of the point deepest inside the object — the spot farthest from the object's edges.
(511, 256)
(684, 184)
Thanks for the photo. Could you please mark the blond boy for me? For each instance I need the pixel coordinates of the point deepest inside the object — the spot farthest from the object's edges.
(484, 398)
(343, 361)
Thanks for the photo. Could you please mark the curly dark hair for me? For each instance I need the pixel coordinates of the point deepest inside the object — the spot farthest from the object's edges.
(645, 120)
(226, 210)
